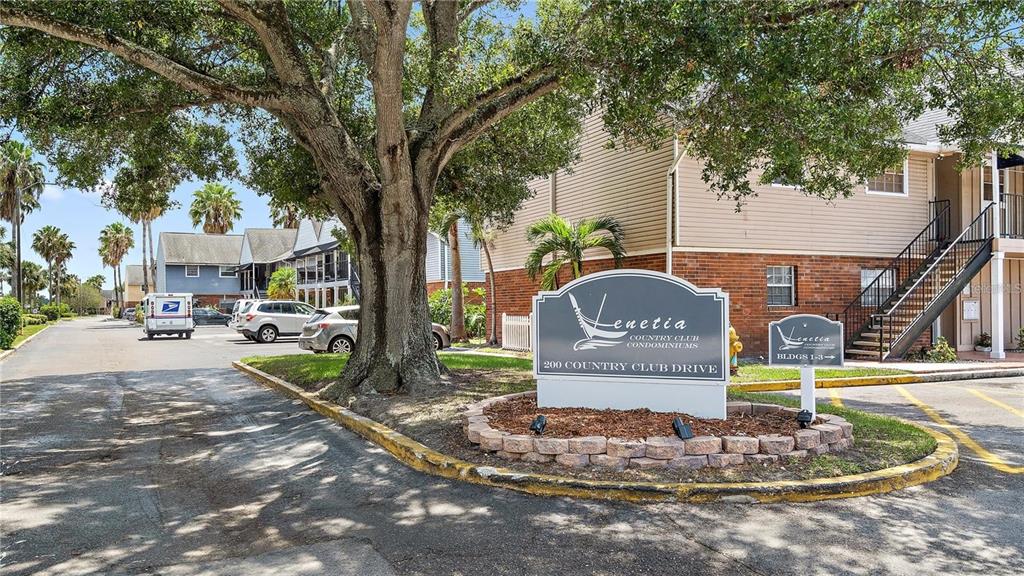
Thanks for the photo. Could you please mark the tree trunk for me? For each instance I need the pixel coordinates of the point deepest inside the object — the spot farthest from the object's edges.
(56, 283)
(395, 348)
(16, 281)
(145, 265)
(492, 310)
(458, 327)
(152, 259)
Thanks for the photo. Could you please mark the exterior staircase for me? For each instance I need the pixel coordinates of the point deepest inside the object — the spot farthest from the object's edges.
(893, 311)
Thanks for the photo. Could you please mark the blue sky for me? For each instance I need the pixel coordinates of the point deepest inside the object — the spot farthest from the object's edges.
(81, 216)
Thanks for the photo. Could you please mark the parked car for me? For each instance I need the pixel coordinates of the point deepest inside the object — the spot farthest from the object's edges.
(167, 313)
(209, 317)
(334, 330)
(238, 308)
(128, 313)
(265, 321)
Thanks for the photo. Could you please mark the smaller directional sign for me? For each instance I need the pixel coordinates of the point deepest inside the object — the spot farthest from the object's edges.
(805, 340)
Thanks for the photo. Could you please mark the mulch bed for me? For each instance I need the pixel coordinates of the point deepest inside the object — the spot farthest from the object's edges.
(516, 414)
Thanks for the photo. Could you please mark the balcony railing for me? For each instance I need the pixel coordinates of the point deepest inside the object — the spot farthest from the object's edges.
(1012, 215)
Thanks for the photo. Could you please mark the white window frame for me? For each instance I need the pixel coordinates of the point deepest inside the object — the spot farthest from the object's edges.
(791, 286)
(906, 184)
(874, 274)
(221, 273)
(196, 266)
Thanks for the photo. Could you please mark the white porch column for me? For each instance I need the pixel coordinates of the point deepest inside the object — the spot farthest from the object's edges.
(996, 266)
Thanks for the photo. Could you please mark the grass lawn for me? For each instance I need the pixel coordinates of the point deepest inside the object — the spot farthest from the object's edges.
(888, 441)
(434, 419)
(764, 373)
(26, 332)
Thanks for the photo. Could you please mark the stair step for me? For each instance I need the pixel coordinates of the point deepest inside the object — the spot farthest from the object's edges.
(869, 344)
(859, 352)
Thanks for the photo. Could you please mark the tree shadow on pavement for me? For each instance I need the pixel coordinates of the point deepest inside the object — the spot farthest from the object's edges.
(139, 471)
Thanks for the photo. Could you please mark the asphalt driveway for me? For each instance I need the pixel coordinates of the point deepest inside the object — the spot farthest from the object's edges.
(126, 456)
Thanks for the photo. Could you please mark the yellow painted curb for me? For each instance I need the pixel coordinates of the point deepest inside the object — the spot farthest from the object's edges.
(782, 385)
(419, 457)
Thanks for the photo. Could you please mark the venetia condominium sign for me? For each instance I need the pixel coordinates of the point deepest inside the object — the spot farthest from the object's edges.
(632, 339)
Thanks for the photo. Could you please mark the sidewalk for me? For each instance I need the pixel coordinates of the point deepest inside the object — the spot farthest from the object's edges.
(968, 361)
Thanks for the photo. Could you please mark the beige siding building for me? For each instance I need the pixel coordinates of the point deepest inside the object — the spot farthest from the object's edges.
(853, 258)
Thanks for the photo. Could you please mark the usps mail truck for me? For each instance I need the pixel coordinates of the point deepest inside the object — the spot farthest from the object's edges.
(167, 314)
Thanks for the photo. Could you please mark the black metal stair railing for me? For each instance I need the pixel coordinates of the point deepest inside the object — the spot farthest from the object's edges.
(904, 313)
(1012, 215)
(903, 269)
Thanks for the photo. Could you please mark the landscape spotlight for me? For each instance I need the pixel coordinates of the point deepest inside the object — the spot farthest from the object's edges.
(804, 417)
(682, 430)
(538, 424)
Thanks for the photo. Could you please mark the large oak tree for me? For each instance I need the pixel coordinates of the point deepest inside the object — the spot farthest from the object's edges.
(367, 102)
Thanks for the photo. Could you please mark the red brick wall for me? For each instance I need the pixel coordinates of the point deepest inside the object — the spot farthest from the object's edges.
(515, 290)
(824, 285)
(472, 299)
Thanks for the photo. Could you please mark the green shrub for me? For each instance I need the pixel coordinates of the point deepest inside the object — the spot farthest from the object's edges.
(138, 314)
(32, 319)
(10, 321)
(984, 340)
(440, 303)
(941, 352)
(115, 312)
(51, 311)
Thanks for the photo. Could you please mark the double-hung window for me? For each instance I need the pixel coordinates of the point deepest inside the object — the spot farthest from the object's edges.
(228, 272)
(191, 271)
(781, 286)
(892, 182)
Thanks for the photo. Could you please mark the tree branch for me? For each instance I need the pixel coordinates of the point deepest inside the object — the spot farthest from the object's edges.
(157, 63)
(471, 7)
(363, 30)
(442, 23)
(270, 21)
(489, 111)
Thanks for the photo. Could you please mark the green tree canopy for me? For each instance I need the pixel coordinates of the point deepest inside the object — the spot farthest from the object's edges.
(358, 108)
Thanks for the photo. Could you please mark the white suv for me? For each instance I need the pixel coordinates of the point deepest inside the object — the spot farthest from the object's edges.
(265, 321)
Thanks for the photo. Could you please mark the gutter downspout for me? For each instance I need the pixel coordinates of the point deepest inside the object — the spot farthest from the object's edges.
(671, 194)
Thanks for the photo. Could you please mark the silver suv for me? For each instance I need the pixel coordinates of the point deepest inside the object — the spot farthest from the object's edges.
(265, 321)
(334, 330)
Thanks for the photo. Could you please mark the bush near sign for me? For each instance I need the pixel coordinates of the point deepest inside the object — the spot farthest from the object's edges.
(805, 340)
(632, 339)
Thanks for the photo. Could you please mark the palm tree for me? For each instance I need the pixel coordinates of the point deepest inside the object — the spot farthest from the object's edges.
(96, 281)
(21, 184)
(216, 207)
(284, 214)
(446, 224)
(483, 239)
(115, 242)
(45, 243)
(565, 243)
(62, 253)
(33, 280)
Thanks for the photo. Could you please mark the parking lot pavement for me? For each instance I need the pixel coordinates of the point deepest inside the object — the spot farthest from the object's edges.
(986, 417)
(122, 455)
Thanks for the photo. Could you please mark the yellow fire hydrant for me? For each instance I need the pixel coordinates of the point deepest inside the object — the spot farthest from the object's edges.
(735, 347)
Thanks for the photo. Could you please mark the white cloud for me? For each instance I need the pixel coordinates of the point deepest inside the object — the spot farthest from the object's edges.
(52, 192)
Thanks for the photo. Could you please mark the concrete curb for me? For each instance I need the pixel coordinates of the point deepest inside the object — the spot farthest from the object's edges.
(782, 385)
(424, 459)
(6, 353)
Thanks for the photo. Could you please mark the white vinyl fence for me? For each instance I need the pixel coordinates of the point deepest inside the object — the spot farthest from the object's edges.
(516, 332)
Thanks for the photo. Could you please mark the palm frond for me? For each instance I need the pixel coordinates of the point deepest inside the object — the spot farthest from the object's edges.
(551, 225)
